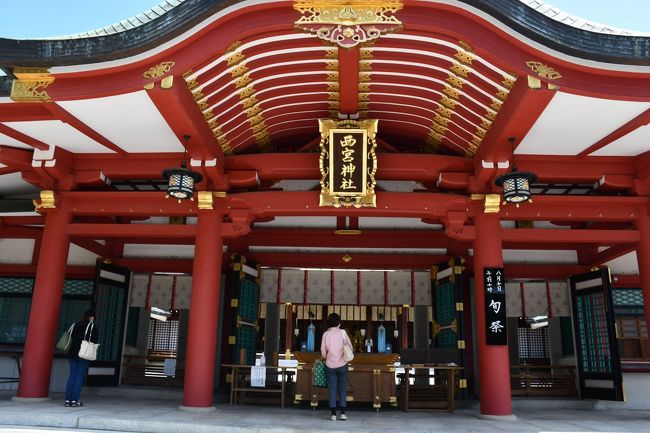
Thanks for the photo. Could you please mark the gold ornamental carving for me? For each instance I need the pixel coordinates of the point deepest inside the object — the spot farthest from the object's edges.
(543, 70)
(29, 84)
(159, 70)
(47, 200)
(348, 23)
(348, 162)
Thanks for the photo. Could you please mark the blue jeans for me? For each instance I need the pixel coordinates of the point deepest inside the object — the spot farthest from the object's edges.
(78, 368)
(337, 377)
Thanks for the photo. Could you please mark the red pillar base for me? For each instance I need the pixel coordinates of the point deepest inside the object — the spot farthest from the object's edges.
(30, 399)
(197, 409)
(497, 417)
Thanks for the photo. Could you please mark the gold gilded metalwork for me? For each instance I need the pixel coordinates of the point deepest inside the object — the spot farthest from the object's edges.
(365, 65)
(332, 65)
(167, 82)
(496, 104)
(461, 344)
(346, 258)
(462, 383)
(364, 87)
(464, 57)
(543, 70)
(190, 80)
(534, 82)
(259, 127)
(365, 54)
(244, 80)
(232, 339)
(364, 77)
(47, 200)
(438, 128)
(448, 102)
(232, 47)
(332, 53)
(508, 82)
(467, 47)
(485, 124)
(491, 115)
(235, 58)
(492, 203)
(501, 95)
(249, 102)
(247, 92)
(347, 232)
(364, 96)
(363, 105)
(451, 92)
(348, 23)
(333, 96)
(459, 306)
(455, 81)
(460, 70)
(203, 104)
(239, 70)
(437, 327)
(345, 188)
(481, 133)
(158, 70)
(205, 200)
(332, 76)
(29, 84)
(255, 120)
(253, 111)
(333, 86)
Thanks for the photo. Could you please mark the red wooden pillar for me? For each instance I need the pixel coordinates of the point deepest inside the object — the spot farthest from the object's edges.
(643, 259)
(46, 305)
(494, 366)
(288, 333)
(202, 330)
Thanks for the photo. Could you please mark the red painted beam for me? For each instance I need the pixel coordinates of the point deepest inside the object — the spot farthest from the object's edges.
(17, 135)
(16, 158)
(92, 246)
(18, 270)
(599, 237)
(22, 220)
(349, 80)
(337, 260)
(519, 112)
(177, 106)
(8, 170)
(63, 115)
(612, 253)
(639, 121)
(168, 231)
(148, 265)
(24, 112)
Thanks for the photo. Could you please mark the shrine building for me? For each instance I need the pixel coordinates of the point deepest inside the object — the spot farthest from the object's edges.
(465, 182)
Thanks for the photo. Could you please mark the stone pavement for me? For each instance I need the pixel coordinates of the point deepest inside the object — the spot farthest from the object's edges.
(147, 412)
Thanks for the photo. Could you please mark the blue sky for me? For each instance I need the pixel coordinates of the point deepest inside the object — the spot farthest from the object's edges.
(61, 17)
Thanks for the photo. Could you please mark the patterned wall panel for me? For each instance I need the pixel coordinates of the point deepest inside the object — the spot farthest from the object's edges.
(139, 284)
(345, 287)
(536, 299)
(422, 288)
(183, 292)
(319, 287)
(293, 286)
(269, 285)
(513, 300)
(373, 288)
(399, 288)
(560, 298)
(161, 291)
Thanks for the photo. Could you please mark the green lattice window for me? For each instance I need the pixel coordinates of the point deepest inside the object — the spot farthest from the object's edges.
(249, 300)
(246, 339)
(111, 316)
(632, 332)
(16, 285)
(445, 313)
(14, 313)
(593, 333)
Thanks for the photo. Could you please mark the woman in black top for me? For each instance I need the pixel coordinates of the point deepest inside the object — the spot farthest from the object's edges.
(82, 330)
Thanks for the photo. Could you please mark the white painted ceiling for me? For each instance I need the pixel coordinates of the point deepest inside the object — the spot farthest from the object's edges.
(8, 141)
(632, 144)
(572, 123)
(131, 121)
(60, 134)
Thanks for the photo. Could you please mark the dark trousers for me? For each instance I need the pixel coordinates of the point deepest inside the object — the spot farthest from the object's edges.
(78, 368)
(337, 378)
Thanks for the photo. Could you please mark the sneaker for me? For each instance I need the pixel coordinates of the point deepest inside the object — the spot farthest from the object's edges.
(80, 403)
(76, 403)
(67, 403)
(343, 417)
(333, 417)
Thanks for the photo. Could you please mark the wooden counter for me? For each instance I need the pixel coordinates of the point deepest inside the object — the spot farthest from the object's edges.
(371, 378)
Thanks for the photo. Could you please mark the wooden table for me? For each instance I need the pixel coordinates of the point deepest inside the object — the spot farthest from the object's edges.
(240, 384)
(371, 378)
(426, 396)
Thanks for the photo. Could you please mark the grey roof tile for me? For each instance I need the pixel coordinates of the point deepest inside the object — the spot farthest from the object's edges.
(577, 22)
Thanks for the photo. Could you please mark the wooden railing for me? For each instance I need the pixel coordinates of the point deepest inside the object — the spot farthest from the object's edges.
(543, 380)
(150, 371)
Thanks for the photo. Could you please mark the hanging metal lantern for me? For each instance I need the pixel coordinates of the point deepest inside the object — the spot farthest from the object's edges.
(181, 182)
(516, 185)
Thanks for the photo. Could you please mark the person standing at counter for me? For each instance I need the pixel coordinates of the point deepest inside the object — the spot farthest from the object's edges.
(336, 367)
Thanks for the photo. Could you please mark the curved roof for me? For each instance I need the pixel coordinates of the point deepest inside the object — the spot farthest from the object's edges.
(532, 18)
(453, 78)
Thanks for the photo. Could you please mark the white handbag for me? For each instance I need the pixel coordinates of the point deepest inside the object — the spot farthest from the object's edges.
(348, 354)
(88, 349)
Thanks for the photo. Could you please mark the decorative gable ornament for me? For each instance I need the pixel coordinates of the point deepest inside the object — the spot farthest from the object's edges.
(348, 162)
(348, 23)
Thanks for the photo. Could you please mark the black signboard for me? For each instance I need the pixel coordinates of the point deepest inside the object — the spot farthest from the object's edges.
(495, 306)
(348, 161)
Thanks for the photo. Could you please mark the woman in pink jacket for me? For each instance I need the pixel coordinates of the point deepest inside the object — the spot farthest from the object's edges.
(336, 367)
